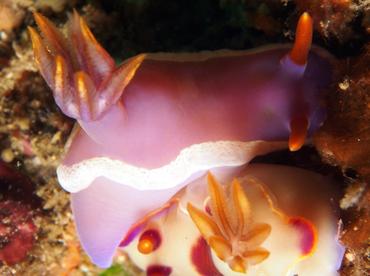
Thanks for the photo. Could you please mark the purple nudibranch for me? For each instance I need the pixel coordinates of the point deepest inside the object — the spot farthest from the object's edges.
(149, 130)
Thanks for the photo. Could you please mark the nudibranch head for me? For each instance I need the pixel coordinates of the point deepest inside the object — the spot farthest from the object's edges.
(155, 123)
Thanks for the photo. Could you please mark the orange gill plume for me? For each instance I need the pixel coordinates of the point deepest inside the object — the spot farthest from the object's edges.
(82, 75)
(230, 230)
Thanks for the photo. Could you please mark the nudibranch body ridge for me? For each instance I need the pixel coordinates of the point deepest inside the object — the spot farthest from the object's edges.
(157, 122)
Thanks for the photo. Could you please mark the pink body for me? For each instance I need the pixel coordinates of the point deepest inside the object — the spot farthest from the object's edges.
(226, 95)
(159, 121)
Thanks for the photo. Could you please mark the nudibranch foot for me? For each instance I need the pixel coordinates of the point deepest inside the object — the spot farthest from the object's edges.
(83, 76)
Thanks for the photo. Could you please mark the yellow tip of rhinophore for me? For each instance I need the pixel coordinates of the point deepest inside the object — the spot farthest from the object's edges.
(298, 132)
(303, 40)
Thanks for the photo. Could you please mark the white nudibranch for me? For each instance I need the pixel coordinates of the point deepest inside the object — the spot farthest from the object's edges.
(264, 220)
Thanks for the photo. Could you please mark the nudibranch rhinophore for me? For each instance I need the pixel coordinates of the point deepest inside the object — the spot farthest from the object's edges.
(158, 122)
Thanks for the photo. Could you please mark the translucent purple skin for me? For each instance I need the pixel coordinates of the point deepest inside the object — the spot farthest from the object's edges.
(105, 210)
(171, 105)
(146, 112)
(239, 96)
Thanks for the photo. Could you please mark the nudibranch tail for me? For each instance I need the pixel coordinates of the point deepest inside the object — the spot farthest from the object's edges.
(82, 75)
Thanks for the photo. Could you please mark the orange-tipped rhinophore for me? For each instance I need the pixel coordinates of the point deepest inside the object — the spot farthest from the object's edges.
(303, 40)
(298, 132)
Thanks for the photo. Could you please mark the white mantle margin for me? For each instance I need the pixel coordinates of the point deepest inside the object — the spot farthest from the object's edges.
(196, 158)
